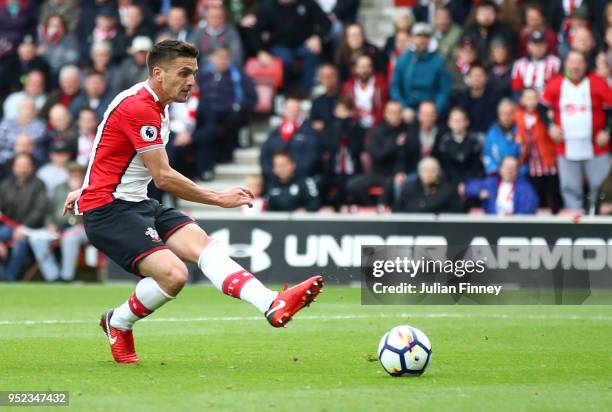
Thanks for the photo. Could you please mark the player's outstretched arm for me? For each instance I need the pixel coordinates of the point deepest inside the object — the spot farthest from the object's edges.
(171, 181)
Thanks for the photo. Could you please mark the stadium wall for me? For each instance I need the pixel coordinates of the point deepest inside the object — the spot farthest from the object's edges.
(281, 247)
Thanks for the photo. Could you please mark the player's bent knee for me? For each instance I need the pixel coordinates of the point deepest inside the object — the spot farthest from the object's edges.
(178, 276)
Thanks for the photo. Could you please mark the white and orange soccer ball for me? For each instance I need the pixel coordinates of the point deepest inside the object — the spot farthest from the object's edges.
(404, 351)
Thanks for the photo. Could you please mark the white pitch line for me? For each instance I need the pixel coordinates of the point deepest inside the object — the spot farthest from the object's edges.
(323, 318)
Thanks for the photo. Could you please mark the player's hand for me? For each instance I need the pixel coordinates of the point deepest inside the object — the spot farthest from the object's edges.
(236, 197)
(70, 199)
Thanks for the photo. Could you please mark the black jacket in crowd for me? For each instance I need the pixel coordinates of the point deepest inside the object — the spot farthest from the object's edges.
(410, 152)
(26, 204)
(459, 160)
(296, 194)
(383, 149)
(338, 133)
(289, 24)
(413, 198)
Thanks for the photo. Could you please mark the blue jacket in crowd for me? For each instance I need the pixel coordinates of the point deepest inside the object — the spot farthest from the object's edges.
(498, 145)
(229, 91)
(420, 77)
(525, 198)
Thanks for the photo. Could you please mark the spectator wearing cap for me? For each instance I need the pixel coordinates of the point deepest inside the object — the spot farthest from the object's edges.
(70, 9)
(67, 227)
(322, 110)
(102, 62)
(178, 26)
(354, 44)
(486, 27)
(55, 172)
(535, 21)
(23, 199)
(446, 33)
(535, 70)
(95, 95)
(579, 100)
(17, 19)
(57, 46)
(216, 32)
(34, 89)
(504, 194)
(420, 75)
(14, 67)
(133, 67)
(369, 92)
(295, 30)
(479, 100)
(465, 56)
(69, 88)
(26, 123)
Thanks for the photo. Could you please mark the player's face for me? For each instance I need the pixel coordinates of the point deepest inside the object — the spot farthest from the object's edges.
(180, 78)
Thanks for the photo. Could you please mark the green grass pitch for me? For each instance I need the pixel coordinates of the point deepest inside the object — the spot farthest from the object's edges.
(208, 352)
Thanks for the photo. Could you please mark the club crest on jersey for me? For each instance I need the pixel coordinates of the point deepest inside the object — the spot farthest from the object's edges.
(152, 233)
(148, 133)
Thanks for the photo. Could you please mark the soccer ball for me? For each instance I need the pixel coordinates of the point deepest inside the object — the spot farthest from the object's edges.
(404, 351)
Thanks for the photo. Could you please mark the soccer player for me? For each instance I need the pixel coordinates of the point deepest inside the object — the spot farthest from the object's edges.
(146, 238)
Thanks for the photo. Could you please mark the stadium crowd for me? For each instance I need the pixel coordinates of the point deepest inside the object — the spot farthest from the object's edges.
(499, 106)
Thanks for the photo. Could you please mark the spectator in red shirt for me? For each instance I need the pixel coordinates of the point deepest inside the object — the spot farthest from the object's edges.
(579, 100)
(369, 92)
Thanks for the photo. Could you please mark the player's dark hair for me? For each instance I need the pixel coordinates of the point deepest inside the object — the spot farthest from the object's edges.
(168, 50)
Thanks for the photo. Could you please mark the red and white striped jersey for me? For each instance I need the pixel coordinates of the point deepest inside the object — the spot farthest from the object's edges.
(579, 110)
(134, 122)
(534, 73)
